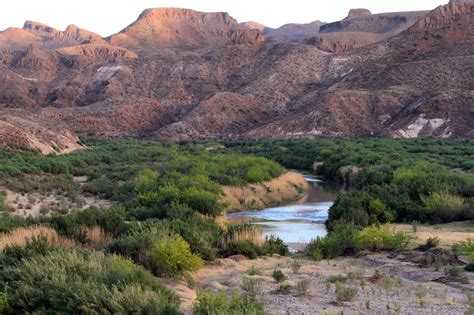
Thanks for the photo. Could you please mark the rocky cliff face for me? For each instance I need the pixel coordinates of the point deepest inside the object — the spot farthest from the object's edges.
(180, 74)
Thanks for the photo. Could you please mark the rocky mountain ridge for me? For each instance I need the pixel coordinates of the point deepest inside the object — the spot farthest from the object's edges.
(181, 74)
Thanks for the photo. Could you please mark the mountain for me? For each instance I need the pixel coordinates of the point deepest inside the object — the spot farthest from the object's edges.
(361, 28)
(178, 28)
(182, 74)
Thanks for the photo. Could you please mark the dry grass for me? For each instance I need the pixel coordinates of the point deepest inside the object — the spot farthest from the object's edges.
(249, 233)
(244, 233)
(21, 235)
(258, 196)
(98, 238)
(448, 234)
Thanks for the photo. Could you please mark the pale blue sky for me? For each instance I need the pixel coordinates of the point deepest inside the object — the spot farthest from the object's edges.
(110, 16)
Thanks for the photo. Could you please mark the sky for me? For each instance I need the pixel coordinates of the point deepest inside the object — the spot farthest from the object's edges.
(106, 17)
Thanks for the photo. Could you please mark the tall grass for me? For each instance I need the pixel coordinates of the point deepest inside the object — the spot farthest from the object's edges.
(21, 236)
(243, 232)
(98, 238)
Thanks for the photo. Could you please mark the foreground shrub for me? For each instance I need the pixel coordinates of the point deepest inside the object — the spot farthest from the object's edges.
(251, 286)
(339, 242)
(464, 248)
(345, 294)
(431, 242)
(217, 303)
(246, 248)
(171, 256)
(278, 275)
(69, 281)
(377, 238)
(137, 242)
(275, 245)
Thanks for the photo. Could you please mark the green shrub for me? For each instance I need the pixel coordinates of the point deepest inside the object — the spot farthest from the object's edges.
(137, 242)
(9, 223)
(203, 234)
(246, 248)
(171, 256)
(217, 303)
(296, 265)
(337, 278)
(146, 181)
(251, 286)
(377, 238)
(431, 242)
(345, 294)
(338, 242)
(275, 245)
(278, 275)
(465, 247)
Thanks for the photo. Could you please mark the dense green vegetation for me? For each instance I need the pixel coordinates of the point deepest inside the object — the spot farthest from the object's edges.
(425, 180)
(166, 196)
(111, 165)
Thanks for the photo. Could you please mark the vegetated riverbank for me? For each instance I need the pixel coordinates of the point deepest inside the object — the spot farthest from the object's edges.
(162, 226)
(288, 187)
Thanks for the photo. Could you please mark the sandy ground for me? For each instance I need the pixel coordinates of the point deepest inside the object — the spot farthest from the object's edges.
(447, 233)
(404, 289)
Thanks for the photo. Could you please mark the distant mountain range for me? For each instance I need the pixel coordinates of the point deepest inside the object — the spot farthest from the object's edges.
(180, 74)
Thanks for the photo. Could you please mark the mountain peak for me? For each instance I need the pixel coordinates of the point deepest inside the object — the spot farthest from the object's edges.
(354, 13)
(172, 27)
(77, 34)
(253, 25)
(39, 27)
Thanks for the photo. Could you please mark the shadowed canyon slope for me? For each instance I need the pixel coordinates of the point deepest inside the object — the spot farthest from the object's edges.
(182, 74)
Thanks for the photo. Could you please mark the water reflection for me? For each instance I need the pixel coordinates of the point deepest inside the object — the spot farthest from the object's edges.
(298, 222)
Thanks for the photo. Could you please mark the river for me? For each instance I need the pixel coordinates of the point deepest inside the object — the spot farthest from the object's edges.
(298, 222)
